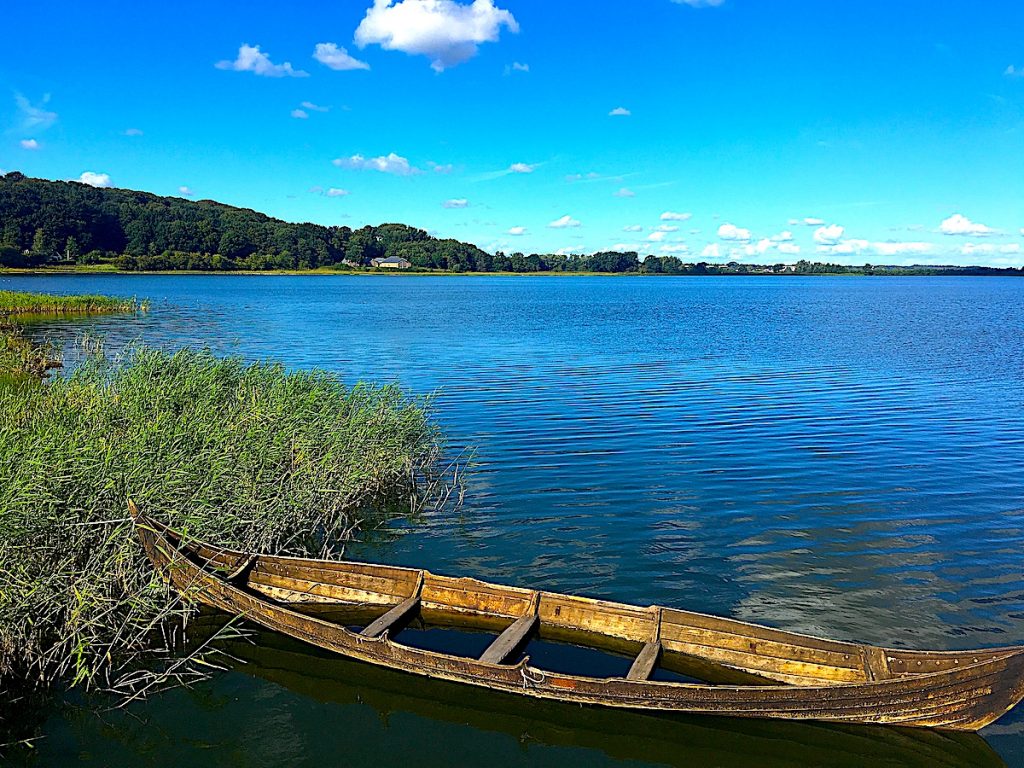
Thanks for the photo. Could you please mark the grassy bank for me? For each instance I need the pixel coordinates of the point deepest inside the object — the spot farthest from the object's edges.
(250, 455)
(14, 303)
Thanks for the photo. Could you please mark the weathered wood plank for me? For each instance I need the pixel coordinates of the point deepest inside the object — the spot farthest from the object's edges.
(645, 662)
(396, 615)
(507, 642)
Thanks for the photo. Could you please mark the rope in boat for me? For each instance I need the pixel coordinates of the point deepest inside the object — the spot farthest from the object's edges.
(527, 680)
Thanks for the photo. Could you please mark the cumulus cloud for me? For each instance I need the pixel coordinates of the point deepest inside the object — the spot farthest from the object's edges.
(970, 249)
(810, 221)
(330, 55)
(789, 249)
(675, 248)
(633, 228)
(829, 235)
(733, 233)
(516, 66)
(133, 132)
(517, 231)
(783, 237)
(314, 107)
(390, 163)
(656, 237)
(251, 59)
(700, 3)
(620, 112)
(666, 228)
(675, 216)
(455, 202)
(185, 190)
(711, 251)
(1012, 71)
(520, 167)
(29, 144)
(958, 224)
(891, 248)
(446, 32)
(34, 118)
(300, 114)
(565, 222)
(624, 192)
(336, 192)
(94, 179)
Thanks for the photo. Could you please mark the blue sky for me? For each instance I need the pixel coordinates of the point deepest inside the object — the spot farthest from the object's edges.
(760, 130)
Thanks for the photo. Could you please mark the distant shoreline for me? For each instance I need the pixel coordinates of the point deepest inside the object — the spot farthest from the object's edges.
(323, 271)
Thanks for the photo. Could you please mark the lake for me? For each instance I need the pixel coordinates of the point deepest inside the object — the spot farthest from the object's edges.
(840, 456)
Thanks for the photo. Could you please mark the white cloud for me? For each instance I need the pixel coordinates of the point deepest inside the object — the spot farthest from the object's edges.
(390, 163)
(783, 237)
(437, 168)
(300, 114)
(185, 190)
(336, 192)
(1012, 71)
(666, 228)
(829, 235)
(969, 249)
(314, 107)
(565, 222)
(845, 247)
(901, 249)
(733, 233)
(656, 237)
(95, 179)
(517, 231)
(591, 176)
(133, 132)
(568, 251)
(700, 3)
(711, 251)
(455, 202)
(519, 167)
(624, 192)
(633, 228)
(620, 112)
(958, 224)
(252, 59)
(675, 248)
(810, 221)
(34, 118)
(445, 31)
(675, 216)
(516, 66)
(623, 247)
(789, 249)
(330, 55)
(29, 144)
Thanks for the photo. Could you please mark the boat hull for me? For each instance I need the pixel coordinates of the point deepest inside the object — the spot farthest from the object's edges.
(966, 697)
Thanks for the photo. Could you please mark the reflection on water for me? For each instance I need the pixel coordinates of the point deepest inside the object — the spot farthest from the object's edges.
(289, 704)
(840, 456)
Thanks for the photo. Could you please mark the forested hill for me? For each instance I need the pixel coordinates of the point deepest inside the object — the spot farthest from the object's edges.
(60, 221)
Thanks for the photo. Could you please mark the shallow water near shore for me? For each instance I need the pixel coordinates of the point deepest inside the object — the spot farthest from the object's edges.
(840, 456)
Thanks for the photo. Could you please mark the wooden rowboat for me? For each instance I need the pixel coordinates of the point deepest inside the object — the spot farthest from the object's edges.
(358, 610)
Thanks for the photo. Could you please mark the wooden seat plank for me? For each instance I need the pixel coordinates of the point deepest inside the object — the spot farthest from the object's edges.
(395, 616)
(507, 642)
(645, 662)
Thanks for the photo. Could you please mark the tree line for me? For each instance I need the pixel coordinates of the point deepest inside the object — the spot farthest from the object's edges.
(65, 222)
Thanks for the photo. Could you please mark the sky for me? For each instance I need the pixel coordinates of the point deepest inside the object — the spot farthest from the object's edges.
(714, 130)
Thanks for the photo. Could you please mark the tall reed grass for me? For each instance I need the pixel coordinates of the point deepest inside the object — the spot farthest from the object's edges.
(248, 455)
(25, 303)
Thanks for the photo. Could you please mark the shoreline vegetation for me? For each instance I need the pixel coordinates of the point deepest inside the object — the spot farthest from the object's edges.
(250, 454)
(71, 227)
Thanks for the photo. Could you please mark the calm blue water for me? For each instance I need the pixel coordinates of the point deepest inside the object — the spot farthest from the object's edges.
(842, 456)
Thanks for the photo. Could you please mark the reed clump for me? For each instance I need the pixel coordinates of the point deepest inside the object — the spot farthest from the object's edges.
(250, 455)
(26, 303)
